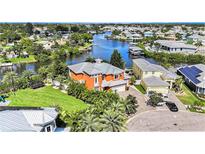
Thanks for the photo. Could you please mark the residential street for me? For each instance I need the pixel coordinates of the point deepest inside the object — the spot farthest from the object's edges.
(165, 121)
(161, 118)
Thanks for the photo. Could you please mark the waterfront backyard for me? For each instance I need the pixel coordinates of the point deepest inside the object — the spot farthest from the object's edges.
(45, 97)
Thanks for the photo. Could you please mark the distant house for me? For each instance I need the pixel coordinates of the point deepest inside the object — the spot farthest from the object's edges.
(153, 77)
(197, 38)
(148, 34)
(134, 50)
(11, 55)
(15, 119)
(25, 54)
(47, 44)
(194, 76)
(99, 76)
(175, 46)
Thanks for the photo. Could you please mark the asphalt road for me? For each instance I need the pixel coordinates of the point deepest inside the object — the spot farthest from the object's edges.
(163, 120)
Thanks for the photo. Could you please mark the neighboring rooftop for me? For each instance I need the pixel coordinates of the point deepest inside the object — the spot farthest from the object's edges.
(195, 73)
(175, 44)
(95, 68)
(155, 82)
(145, 65)
(16, 119)
(135, 48)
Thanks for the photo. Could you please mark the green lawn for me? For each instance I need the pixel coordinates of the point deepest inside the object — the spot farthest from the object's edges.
(45, 97)
(21, 60)
(188, 97)
(141, 89)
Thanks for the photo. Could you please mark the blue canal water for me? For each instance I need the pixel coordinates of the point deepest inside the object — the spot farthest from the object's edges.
(103, 49)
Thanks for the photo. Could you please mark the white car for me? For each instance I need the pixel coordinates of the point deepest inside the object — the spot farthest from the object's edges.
(161, 103)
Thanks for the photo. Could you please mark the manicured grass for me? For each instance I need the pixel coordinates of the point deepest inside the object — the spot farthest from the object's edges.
(188, 97)
(45, 97)
(30, 59)
(141, 89)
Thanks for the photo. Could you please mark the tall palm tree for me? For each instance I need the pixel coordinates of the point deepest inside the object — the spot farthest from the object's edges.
(10, 79)
(113, 121)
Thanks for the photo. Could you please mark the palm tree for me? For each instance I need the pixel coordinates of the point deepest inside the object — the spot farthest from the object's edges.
(113, 121)
(131, 105)
(10, 79)
(178, 84)
(27, 75)
(89, 123)
(117, 106)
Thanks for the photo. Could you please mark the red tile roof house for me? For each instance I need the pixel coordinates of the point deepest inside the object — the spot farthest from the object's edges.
(99, 76)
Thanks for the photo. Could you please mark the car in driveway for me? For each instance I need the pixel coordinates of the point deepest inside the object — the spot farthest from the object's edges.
(161, 103)
(172, 106)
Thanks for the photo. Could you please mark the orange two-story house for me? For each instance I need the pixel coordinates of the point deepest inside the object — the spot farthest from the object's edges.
(99, 76)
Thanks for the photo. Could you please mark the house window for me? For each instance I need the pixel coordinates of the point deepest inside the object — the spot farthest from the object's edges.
(103, 77)
(152, 72)
(116, 77)
(48, 128)
(146, 72)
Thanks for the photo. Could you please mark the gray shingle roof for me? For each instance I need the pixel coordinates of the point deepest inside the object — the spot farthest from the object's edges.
(26, 120)
(155, 82)
(145, 65)
(95, 68)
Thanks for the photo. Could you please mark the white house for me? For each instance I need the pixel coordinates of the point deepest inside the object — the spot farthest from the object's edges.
(175, 46)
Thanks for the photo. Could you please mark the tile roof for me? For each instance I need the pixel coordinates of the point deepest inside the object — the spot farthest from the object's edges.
(95, 68)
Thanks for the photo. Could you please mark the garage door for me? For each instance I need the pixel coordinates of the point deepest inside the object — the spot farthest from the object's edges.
(119, 88)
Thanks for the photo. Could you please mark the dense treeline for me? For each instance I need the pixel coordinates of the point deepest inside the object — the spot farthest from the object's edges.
(172, 59)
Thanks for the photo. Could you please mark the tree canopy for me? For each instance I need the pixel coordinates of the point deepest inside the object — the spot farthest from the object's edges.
(116, 59)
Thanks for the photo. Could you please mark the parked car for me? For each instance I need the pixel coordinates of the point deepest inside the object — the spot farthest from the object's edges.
(172, 106)
(161, 103)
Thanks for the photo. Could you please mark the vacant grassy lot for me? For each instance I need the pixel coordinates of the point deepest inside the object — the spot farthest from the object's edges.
(140, 88)
(188, 97)
(45, 97)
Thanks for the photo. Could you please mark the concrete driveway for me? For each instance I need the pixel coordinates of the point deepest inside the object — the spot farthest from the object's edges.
(140, 98)
(173, 98)
(166, 121)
